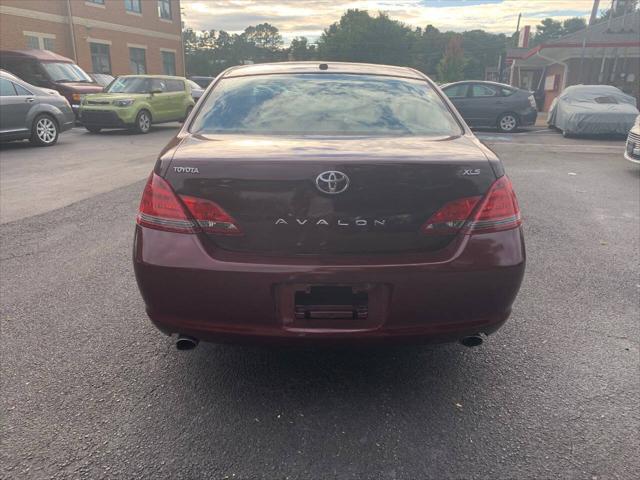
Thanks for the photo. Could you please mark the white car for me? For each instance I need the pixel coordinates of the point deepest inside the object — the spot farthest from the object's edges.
(632, 151)
(593, 110)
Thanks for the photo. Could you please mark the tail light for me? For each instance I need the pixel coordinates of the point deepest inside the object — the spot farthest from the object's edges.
(161, 209)
(498, 210)
(210, 216)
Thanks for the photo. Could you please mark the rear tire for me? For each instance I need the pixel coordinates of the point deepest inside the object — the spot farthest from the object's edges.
(93, 129)
(143, 122)
(45, 131)
(508, 123)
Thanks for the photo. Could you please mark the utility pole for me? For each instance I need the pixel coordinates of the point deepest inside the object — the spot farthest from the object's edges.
(518, 27)
(72, 32)
(594, 12)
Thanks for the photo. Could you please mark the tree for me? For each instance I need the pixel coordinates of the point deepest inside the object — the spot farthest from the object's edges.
(264, 36)
(428, 48)
(300, 49)
(481, 49)
(550, 29)
(359, 37)
(451, 67)
(574, 24)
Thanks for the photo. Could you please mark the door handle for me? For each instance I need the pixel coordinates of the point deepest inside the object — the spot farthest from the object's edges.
(30, 100)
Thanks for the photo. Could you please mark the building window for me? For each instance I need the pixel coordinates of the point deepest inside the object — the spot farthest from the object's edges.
(164, 9)
(40, 41)
(168, 63)
(47, 44)
(97, 2)
(33, 42)
(137, 60)
(134, 6)
(100, 57)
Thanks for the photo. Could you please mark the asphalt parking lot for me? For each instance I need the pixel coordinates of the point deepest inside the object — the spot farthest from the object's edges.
(91, 390)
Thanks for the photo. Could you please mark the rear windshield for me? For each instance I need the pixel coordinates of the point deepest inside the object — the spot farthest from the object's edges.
(325, 104)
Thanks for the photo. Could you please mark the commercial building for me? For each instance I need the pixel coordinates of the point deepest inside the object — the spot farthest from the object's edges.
(603, 53)
(103, 36)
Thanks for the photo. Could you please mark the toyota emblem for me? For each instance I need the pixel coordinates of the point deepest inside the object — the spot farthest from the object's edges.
(332, 182)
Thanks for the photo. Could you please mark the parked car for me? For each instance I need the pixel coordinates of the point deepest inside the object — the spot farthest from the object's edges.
(632, 150)
(136, 102)
(102, 79)
(202, 81)
(334, 202)
(196, 90)
(33, 113)
(46, 69)
(593, 110)
(495, 105)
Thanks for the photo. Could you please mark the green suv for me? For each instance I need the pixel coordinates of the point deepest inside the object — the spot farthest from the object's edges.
(137, 101)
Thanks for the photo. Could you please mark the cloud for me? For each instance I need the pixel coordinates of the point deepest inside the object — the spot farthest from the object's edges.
(310, 17)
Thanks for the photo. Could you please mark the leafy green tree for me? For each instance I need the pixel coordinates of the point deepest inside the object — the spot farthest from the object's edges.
(574, 24)
(451, 67)
(481, 49)
(359, 37)
(428, 48)
(264, 36)
(550, 29)
(300, 49)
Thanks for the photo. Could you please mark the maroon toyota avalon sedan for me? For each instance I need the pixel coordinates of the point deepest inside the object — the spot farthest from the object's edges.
(327, 203)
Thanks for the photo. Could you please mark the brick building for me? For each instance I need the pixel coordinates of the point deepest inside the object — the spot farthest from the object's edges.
(103, 36)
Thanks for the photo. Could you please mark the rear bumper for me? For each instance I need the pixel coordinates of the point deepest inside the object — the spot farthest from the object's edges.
(188, 290)
(528, 117)
(634, 159)
(632, 147)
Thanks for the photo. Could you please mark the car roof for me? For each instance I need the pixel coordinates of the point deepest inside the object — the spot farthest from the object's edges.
(485, 82)
(314, 67)
(593, 87)
(160, 77)
(42, 55)
(9, 75)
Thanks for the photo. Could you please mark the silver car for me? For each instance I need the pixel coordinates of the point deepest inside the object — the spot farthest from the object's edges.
(33, 113)
(196, 90)
(493, 105)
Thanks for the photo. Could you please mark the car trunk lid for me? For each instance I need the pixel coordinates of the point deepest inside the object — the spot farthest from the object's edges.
(288, 195)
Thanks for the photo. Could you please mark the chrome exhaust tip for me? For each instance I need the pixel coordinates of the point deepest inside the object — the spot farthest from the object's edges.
(186, 342)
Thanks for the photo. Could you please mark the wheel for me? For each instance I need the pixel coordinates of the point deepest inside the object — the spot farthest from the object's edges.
(143, 122)
(507, 122)
(566, 134)
(45, 131)
(93, 129)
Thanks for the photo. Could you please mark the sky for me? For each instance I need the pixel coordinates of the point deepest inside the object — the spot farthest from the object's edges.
(310, 17)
